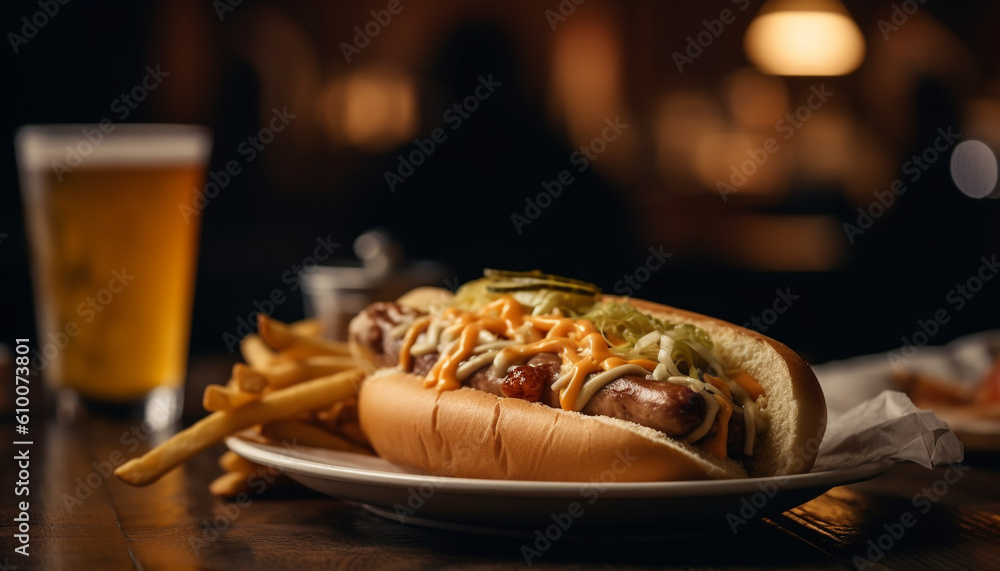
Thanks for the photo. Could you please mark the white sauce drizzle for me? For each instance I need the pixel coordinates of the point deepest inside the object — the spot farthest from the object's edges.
(706, 423)
(442, 335)
(562, 380)
(474, 364)
(505, 359)
(431, 339)
(400, 329)
(597, 382)
(491, 346)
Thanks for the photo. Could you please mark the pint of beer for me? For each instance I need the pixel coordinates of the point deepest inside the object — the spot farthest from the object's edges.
(113, 229)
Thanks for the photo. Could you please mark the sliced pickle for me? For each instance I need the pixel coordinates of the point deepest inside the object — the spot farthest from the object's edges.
(536, 276)
(565, 288)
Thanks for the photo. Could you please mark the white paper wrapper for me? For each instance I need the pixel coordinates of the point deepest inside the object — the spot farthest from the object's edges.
(887, 427)
(869, 423)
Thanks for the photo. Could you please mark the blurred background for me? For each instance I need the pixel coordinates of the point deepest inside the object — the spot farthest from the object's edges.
(705, 155)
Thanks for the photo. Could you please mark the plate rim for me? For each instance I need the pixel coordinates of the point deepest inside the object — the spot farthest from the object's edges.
(271, 455)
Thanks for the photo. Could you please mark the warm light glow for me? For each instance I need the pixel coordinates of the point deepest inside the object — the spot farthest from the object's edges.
(826, 147)
(739, 160)
(586, 76)
(681, 120)
(374, 109)
(781, 243)
(804, 38)
(586, 73)
(756, 101)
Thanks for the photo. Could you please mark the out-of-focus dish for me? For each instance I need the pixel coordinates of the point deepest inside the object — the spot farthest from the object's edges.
(959, 382)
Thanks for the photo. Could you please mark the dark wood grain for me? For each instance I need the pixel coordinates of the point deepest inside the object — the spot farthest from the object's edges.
(81, 520)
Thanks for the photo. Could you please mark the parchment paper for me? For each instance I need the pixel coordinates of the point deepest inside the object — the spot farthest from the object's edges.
(887, 427)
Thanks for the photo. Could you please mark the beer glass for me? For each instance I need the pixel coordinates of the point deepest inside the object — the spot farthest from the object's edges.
(113, 231)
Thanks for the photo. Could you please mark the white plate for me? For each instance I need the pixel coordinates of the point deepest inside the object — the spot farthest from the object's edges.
(520, 508)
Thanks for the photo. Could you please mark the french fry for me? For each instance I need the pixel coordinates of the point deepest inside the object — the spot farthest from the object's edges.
(309, 327)
(292, 345)
(234, 483)
(247, 379)
(238, 472)
(310, 395)
(233, 462)
(341, 413)
(256, 352)
(349, 429)
(342, 419)
(304, 434)
(302, 351)
(218, 397)
(286, 373)
(230, 484)
(352, 431)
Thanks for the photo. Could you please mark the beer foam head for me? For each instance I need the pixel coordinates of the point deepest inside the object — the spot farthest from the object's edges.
(72, 146)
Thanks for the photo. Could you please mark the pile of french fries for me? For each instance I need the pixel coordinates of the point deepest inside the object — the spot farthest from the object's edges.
(296, 388)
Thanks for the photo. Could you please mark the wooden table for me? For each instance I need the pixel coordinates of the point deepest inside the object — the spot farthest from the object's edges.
(81, 519)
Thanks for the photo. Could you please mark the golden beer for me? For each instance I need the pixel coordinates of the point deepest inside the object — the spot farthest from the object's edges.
(114, 243)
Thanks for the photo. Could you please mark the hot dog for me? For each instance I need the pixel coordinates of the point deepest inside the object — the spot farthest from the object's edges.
(550, 380)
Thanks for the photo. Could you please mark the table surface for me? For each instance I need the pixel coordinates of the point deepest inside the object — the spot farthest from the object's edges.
(81, 519)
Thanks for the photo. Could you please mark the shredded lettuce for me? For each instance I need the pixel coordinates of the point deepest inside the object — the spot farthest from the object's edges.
(622, 326)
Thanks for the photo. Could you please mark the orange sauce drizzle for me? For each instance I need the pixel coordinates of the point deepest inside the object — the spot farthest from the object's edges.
(578, 343)
(719, 384)
(749, 384)
(418, 327)
(716, 444)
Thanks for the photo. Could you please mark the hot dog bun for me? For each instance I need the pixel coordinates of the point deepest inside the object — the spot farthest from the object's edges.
(470, 433)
